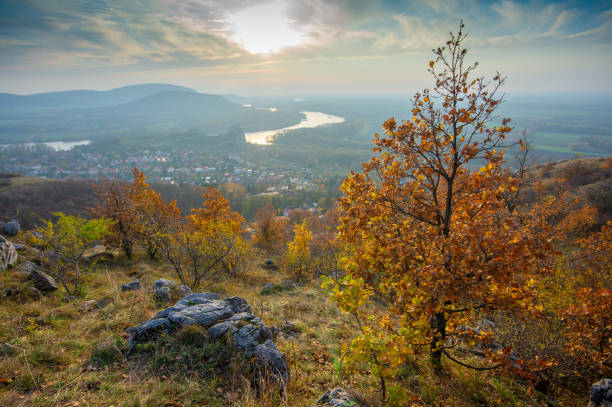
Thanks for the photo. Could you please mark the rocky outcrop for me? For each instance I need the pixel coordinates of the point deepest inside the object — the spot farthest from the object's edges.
(228, 318)
(41, 280)
(11, 228)
(601, 394)
(8, 254)
(337, 397)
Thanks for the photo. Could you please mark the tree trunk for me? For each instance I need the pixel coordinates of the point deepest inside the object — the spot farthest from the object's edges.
(127, 248)
(438, 327)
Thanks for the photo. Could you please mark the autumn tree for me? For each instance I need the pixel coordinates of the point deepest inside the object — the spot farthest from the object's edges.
(152, 215)
(431, 234)
(326, 248)
(269, 234)
(63, 243)
(589, 314)
(115, 202)
(208, 242)
(297, 258)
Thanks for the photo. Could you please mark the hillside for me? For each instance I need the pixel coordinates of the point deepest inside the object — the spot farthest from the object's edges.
(61, 349)
(23, 104)
(138, 112)
(76, 350)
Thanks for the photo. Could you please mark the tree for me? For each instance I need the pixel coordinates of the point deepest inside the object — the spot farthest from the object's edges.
(269, 234)
(297, 258)
(207, 243)
(115, 202)
(589, 316)
(152, 215)
(326, 248)
(431, 234)
(63, 244)
(198, 253)
(216, 208)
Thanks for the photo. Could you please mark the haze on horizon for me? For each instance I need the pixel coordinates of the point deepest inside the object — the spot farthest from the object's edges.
(254, 47)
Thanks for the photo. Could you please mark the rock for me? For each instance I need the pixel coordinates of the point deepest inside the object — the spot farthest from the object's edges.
(163, 290)
(150, 330)
(131, 286)
(183, 290)
(20, 247)
(162, 295)
(272, 362)
(6, 349)
(98, 253)
(11, 228)
(41, 280)
(288, 328)
(338, 397)
(8, 254)
(601, 394)
(162, 282)
(230, 317)
(238, 305)
(198, 298)
(269, 265)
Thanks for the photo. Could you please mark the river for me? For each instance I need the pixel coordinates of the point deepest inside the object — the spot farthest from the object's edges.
(56, 145)
(312, 119)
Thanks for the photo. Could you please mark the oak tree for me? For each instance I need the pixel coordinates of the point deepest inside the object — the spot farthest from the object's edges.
(431, 233)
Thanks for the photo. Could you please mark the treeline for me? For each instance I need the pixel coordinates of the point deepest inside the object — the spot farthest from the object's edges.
(199, 244)
(33, 201)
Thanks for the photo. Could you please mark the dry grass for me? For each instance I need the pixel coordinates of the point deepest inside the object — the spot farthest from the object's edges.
(73, 357)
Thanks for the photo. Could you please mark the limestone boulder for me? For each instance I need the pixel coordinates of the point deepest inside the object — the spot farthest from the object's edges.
(230, 318)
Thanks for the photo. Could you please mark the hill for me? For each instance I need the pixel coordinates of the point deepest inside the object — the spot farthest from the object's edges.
(589, 178)
(174, 103)
(10, 103)
(138, 111)
(61, 351)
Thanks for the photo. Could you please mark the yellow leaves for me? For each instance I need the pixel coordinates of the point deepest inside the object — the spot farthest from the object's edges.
(297, 257)
(431, 64)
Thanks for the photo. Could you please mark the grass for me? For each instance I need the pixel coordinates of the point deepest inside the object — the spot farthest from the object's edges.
(563, 150)
(21, 181)
(76, 358)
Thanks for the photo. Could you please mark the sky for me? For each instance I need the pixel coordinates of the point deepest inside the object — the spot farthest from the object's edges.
(269, 47)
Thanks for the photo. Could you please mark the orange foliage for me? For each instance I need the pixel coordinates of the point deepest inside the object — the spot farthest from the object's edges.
(268, 229)
(432, 235)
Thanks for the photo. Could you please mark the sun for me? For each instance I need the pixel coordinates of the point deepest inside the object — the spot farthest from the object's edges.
(264, 29)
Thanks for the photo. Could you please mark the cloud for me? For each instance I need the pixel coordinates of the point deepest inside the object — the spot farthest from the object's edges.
(199, 36)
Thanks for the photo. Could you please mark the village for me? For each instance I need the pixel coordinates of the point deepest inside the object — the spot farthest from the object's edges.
(178, 168)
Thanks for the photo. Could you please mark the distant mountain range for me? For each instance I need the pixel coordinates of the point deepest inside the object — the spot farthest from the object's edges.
(84, 98)
(130, 110)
